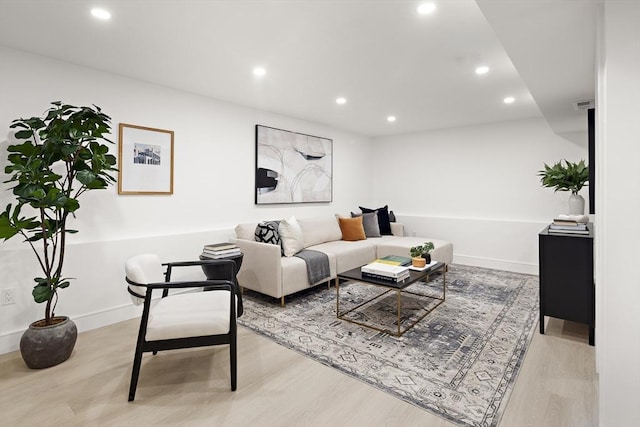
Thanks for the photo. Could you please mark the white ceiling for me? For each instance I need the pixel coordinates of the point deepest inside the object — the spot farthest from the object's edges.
(379, 54)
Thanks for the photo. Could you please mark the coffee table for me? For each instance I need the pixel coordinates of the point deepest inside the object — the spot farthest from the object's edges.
(355, 275)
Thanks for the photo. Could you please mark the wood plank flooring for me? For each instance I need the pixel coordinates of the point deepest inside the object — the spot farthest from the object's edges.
(276, 387)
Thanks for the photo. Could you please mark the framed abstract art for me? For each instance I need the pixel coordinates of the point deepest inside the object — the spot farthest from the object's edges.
(292, 167)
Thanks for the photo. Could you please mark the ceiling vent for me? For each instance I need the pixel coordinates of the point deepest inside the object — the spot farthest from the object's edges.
(584, 105)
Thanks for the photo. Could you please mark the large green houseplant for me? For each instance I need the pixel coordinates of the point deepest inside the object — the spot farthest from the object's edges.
(567, 177)
(60, 156)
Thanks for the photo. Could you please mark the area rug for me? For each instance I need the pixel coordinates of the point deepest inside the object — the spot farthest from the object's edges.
(460, 362)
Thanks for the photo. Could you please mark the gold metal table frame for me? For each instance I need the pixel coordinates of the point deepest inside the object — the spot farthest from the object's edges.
(355, 276)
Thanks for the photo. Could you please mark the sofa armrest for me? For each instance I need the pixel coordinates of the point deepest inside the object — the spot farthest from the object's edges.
(397, 229)
(261, 268)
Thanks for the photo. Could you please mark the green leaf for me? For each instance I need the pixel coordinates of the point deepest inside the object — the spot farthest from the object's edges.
(71, 204)
(42, 293)
(69, 149)
(97, 184)
(24, 134)
(86, 177)
(110, 159)
(7, 229)
(26, 148)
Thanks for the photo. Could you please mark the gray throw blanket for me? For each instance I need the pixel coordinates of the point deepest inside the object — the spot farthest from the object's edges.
(317, 265)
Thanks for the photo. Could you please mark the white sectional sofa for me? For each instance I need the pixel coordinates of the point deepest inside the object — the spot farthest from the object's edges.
(265, 270)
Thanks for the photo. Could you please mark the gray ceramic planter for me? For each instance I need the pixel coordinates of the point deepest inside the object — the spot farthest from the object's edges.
(46, 346)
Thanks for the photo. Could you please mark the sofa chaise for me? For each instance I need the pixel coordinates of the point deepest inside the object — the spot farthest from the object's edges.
(265, 269)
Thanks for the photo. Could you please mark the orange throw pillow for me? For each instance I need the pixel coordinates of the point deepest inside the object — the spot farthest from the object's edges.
(352, 228)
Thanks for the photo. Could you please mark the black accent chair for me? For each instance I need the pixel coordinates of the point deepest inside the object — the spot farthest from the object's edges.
(185, 319)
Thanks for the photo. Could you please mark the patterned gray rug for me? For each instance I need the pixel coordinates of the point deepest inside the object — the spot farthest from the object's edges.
(460, 362)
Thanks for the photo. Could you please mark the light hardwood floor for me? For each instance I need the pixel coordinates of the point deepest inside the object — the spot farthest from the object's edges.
(276, 387)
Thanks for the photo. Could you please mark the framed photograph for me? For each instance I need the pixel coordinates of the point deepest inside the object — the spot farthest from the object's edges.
(145, 160)
(292, 167)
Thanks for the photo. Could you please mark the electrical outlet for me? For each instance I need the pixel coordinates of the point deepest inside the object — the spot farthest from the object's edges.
(8, 296)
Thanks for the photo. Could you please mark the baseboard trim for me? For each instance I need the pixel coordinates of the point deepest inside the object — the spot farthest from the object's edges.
(11, 341)
(498, 264)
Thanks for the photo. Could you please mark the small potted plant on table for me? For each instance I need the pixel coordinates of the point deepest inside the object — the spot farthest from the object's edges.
(420, 255)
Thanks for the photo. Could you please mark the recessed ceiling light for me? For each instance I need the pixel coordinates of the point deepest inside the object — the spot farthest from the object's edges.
(426, 8)
(509, 100)
(341, 100)
(259, 71)
(483, 69)
(391, 119)
(100, 14)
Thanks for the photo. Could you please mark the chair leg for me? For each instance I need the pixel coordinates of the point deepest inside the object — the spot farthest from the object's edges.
(135, 372)
(234, 362)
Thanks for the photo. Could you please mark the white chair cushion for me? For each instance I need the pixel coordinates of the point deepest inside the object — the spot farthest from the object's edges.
(189, 315)
(145, 268)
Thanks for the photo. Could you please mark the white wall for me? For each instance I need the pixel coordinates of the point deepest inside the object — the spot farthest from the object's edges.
(483, 193)
(213, 185)
(477, 186)
(617, 204)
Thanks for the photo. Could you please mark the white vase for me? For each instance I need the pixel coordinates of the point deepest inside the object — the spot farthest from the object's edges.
(576, 204)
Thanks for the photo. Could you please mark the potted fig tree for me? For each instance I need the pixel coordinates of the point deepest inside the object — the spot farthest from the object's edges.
(59, 157)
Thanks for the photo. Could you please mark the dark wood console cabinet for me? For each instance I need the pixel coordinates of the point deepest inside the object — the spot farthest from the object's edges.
(566, 278)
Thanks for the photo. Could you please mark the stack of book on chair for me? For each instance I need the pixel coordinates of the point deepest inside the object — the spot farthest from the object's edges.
(567, 225)
(220, 250)
(387, 272)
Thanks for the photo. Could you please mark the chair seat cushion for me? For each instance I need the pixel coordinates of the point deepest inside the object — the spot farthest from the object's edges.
(189, 315)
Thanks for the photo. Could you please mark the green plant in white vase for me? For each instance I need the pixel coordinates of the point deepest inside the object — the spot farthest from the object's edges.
(567, 177)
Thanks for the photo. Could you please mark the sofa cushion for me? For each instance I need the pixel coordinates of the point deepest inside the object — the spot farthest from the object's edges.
(349, 255)
(319, 230)
(267, 232)
(246, 231)
(352, 228)
(391, 245)
(383, 218)
(369, 222)
(291, 236)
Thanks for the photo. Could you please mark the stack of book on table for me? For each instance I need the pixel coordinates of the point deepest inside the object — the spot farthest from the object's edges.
(395, 260)
(383, 271)
(220, 250)
(568, 225)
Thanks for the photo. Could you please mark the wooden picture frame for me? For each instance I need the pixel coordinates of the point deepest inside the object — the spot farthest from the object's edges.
(145, 160)
(292, 167)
